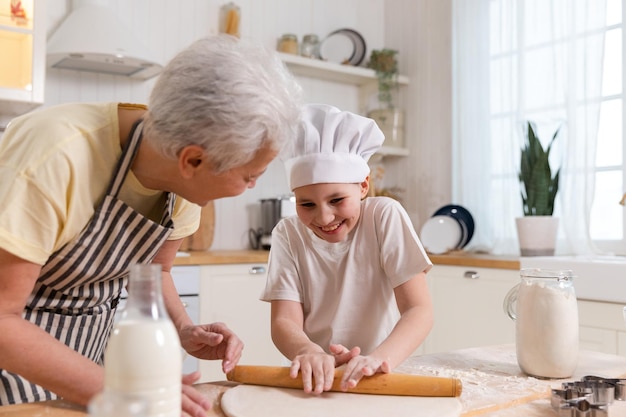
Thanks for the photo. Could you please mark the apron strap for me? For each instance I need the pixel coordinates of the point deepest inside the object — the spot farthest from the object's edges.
(128, 156)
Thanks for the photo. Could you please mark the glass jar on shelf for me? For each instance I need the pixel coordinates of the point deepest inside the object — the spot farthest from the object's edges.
(310, 47)
(288, 43)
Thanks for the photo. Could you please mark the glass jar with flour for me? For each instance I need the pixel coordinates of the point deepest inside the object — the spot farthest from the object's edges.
(545, 311)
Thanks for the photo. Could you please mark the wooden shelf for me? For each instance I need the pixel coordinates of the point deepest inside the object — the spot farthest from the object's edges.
(386, 152)
(331, 71)
(393, 151)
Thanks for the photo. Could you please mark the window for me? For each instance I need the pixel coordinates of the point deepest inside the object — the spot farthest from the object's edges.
(607, 218)
(558, 63)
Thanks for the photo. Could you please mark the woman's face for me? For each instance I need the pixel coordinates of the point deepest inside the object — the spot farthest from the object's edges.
(330, 210)
(209, 186)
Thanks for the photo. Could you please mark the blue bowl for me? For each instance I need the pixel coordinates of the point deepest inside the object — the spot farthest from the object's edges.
(465, 219)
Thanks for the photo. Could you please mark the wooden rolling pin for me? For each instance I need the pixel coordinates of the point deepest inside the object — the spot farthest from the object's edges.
(382, 384)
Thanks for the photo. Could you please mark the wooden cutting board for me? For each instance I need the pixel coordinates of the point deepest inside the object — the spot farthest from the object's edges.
(203, 238)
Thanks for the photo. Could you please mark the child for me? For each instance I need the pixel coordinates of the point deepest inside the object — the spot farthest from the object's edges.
(347, 276)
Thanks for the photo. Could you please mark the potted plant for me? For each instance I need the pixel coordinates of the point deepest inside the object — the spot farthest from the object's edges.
(539, 186)
(390, 120)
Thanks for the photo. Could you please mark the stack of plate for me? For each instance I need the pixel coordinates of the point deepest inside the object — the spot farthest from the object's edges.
(450, 228)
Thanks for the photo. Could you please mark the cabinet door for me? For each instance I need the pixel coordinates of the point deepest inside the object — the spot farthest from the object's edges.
(598, 340)
(22, 66)
(230, 294)
(621, 343)
(468, 307)
(602, 327)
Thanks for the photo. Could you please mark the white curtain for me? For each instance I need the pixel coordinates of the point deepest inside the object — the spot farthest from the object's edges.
(519, 60)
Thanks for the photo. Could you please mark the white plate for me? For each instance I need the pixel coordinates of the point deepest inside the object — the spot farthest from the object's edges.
(441, 234)
(337, 47)
(344, 46)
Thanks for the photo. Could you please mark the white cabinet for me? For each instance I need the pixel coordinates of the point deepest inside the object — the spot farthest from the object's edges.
(468, 307)
(22, 51)
(230, 294)
(468, 312)
(602, 327)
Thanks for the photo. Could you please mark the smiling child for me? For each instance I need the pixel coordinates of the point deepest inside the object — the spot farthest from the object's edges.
(347, 275)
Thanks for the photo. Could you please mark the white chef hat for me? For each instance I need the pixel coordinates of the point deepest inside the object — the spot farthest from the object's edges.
(332, 146)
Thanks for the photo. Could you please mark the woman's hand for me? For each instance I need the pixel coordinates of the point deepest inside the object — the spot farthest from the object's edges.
(212, 341)
(361, 366)
(194, 404)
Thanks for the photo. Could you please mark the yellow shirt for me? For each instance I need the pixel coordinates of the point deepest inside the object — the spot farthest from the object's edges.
(55, 167)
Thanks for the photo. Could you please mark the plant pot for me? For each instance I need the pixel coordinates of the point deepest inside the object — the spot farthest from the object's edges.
(391, 122)
(537, 235)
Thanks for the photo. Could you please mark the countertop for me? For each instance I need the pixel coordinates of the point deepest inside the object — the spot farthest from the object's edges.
(459, 258)
(221, 257)
(493, 385)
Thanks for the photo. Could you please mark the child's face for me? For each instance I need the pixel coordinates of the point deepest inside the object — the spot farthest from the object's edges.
(330, 210)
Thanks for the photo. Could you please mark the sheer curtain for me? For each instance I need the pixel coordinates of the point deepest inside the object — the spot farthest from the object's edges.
(538, 60)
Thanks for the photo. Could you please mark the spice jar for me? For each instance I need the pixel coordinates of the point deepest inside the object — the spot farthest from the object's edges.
(310, 47)
(288, 43)
(230, 18)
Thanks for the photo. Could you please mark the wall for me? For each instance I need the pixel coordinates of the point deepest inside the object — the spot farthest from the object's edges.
(419, 29)
(422, 33)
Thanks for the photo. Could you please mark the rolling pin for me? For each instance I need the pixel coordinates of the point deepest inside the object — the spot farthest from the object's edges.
(381, 384)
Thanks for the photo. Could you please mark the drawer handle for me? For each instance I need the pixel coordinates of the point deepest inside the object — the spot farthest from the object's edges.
(257, 270)
(471, 275)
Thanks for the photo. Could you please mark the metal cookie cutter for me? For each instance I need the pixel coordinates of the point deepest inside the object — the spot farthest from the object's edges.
(578, 406)
(580, 399)
(618, 383)
(601, 392)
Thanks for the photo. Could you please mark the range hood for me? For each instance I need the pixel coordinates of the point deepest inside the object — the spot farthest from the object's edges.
(92, 38)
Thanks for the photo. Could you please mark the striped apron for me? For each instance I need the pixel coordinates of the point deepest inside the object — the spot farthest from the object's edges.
(77, 292)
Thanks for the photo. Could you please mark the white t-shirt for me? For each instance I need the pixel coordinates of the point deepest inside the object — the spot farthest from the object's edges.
(55, 167)
(346, 288)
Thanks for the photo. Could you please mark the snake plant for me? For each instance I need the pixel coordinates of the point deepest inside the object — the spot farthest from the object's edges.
(538, 186)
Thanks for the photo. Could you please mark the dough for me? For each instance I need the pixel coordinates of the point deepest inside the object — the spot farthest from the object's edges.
(261, 401)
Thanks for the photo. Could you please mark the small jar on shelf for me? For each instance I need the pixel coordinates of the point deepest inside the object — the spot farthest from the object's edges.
(288, 43)
(310, 47)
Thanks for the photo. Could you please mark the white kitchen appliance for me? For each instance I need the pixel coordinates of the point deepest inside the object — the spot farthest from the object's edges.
(109, 48)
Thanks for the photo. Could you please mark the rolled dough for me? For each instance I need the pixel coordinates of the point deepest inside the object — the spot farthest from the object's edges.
(261, 401)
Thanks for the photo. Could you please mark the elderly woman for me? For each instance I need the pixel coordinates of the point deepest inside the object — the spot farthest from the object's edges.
(88, 189)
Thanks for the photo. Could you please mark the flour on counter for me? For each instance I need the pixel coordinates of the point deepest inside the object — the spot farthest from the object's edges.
(484, 386)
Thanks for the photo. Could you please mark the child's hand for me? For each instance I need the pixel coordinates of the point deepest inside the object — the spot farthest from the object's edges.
(343, 355)
(318, 367)
(361, 366)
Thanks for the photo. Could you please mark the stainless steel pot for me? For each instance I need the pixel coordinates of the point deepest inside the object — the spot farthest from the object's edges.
(272, 210)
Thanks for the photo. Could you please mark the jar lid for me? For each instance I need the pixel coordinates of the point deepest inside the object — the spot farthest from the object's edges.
(560, 274)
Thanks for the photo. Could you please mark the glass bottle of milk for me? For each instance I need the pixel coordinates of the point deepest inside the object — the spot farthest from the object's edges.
(143, 355)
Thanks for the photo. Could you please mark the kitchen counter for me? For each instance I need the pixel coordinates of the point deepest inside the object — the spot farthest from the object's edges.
(459, 258)
(221, 257)
(493, 385)
(478, 260)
